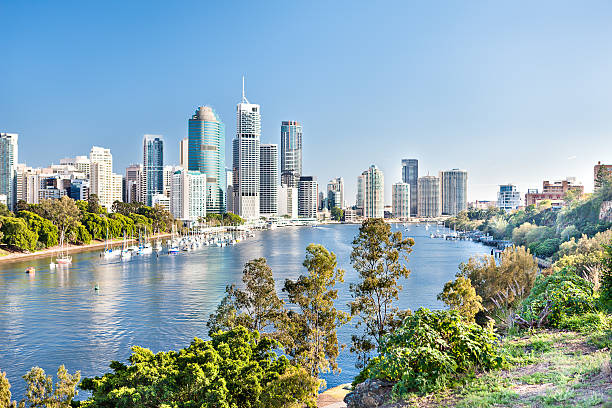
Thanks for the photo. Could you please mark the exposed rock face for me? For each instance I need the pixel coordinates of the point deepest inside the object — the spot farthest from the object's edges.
(369, 394)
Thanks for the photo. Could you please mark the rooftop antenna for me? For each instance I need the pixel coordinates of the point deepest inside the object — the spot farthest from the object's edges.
(244, 99)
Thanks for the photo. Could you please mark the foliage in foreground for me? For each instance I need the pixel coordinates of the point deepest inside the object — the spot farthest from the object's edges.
(234, 369)
(40, 391)
(432, 350)
(557, 297)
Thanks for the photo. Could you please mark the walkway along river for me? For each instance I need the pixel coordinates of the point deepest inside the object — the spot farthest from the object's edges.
(56, 317)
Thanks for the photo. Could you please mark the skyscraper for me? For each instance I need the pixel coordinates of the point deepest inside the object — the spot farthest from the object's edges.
(429, 197)
(188, 195)
(207, 155)
(268, 180)
(101, 178)
(308, 196)
(152, 166)
(291, 153)
(371, 187)
(8, 162)
(410, 175)
(400, 200)
(246, 159)
(454, 191)
(133, 184)
(335, 193)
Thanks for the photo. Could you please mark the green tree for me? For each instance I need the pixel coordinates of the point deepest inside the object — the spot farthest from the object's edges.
(460, 295)
(606, 279)
(93, 204)
(314, 329)
(46, 231)
(256, 307)
(41, 393)
(15, 232)
(337, 214)
(380, 257)
(235, 369)
(501, 285)
(5, 393)
(63, 213)
(232, 219)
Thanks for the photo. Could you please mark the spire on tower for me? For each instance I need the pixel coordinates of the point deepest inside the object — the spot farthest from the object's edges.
(244, 99)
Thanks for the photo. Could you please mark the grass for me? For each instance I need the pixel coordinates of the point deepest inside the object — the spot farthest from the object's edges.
(547, 369)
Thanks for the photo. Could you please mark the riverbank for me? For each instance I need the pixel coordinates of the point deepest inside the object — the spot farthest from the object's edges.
(10, 257)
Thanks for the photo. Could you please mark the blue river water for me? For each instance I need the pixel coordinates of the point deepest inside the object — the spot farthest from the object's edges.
(56, 317)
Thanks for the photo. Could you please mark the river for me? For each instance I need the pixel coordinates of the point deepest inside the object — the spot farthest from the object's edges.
(56, 317)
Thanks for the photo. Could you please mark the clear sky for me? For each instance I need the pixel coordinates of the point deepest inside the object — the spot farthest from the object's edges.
(511, 91)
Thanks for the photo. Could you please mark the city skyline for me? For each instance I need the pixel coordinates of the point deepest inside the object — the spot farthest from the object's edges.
(475, 79)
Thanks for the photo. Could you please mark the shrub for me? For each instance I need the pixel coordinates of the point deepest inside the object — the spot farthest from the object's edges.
(431, 350)
(556, 297)
(586, 323)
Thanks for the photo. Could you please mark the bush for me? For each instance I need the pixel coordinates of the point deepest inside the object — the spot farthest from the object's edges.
(586, 323)
(431, 350)
(236, 368)
(557, 297)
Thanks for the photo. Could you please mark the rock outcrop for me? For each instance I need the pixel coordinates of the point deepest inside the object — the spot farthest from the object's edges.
(369, 394)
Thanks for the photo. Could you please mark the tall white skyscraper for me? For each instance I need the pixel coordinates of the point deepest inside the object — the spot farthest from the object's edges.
(101, 178)
(287, 201)
(8, 162)
(371, 192)
(429, 197)
(246, 166)
(400, 200)
(291, 153)
(335, 193)
(188, 195)
(454, 191)
(268, 180)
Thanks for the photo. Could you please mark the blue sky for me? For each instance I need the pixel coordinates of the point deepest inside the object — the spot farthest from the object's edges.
(511, 91)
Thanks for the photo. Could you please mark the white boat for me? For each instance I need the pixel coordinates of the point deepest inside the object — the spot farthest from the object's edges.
(158, 246)
(147, 249)
(109, 252)
(63, 258)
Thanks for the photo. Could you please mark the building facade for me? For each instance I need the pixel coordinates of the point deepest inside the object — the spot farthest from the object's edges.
(335, 193)
(153, 166)
(454, 191)
(410, 175)
(400, 200)
(8, 161)
(268, 180)
(101, 179)
(291, 153)
(288, 202)
(184, 153)
(206, 154)
(372, 192)
(508, 198)
(429, 197)
(188, 195)
(554, 192)
(133, 184)
(308, 193)
(246, 161)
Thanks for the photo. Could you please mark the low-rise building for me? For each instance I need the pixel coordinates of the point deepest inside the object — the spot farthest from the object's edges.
(508, 197)
(554, 192)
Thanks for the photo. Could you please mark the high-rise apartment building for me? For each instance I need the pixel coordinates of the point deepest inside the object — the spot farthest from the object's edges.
(152, 166)
(116, 188)
(188, 196)
(168, 172)
(308, 194)
(454, 191)
(335, 193)
(371, 188)
(287, 201)
(291, 153)
(133, 184)
(400, 200)
(268, 180)
(80, 163)
(508, 197)
(101, 178)
(410, 175)
(206, 154)
(184, 153)
(8, 162)
(246, 159)
(429, 197)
